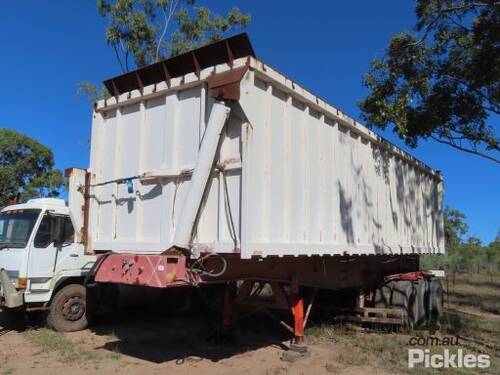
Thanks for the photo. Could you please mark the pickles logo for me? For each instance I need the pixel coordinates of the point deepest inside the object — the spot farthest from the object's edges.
(449, 359)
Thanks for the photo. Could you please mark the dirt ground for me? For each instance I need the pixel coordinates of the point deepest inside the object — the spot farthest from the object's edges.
(157, 343)
(152, 345)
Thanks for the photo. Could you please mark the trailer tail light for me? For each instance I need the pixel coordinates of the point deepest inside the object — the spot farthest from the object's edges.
(22, 282)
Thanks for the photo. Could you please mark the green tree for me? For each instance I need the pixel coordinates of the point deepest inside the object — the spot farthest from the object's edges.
(142, 32)
(26, 167)
(455, 226)
(493, 255)
(91, 91)
(464, 255)
(442, 81)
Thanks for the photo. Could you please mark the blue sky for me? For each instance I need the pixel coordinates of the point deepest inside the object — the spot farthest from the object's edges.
(47, 47)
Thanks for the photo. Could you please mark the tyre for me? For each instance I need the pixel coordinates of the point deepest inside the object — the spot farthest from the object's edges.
(68, 310)
(421, 293)
(383, 295)
(435, 300)
(404, 297)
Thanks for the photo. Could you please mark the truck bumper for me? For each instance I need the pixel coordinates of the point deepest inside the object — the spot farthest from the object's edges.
(9, 296)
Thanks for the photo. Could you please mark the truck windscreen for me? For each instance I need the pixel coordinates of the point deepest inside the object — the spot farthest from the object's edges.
(16, 227)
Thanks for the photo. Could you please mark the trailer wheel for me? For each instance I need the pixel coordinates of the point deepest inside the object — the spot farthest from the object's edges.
(421, 292)
(68, 310)
(436, 300)
(383, 295)
(404, 298)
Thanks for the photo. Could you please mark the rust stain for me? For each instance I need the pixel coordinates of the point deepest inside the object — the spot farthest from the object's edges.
(226, 85)
(170, 277)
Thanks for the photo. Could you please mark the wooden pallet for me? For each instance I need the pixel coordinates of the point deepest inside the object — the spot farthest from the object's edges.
(373, 315)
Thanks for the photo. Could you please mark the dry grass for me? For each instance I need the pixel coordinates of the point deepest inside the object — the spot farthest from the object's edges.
(7, 371)
(478, 329)
(475, 293)
(332, 368)
(335, 349)
(64, 348)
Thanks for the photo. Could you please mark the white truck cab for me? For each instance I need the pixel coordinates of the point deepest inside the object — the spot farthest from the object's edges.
(42, 266)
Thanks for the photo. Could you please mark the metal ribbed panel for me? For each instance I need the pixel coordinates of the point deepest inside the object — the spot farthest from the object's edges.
(317, 187)
(294, 176)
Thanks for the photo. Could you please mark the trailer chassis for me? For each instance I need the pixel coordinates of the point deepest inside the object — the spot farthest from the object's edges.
(286, 276)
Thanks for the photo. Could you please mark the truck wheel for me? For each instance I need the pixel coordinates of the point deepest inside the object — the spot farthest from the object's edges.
(404, 298)
(421, 294)
(383, 295)
(436, 300)
(68, 310)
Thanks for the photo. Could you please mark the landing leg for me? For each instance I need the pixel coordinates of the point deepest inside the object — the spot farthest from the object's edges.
(297, 303)
(297, 348)
(298, 320)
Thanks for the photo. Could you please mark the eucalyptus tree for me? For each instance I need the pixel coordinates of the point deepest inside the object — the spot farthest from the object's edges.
(441, 81)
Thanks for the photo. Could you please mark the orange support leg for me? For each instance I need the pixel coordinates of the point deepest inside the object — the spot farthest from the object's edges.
(298, 319)
(297, 311)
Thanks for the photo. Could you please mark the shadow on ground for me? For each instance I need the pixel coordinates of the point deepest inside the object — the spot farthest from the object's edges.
(160, 337)
(19, 321)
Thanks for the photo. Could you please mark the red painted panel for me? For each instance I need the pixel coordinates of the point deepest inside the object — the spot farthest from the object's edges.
(159, 271)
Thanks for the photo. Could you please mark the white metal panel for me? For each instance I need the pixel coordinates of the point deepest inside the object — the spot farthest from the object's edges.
(76, 200)
(161, 137)
(298, 176)
(294, 175)
(318, 187)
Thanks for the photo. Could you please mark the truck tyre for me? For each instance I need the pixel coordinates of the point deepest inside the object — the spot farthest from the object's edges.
(436, 300)
(404, 298)
(421, 293)
(68, 310)
(383, 295)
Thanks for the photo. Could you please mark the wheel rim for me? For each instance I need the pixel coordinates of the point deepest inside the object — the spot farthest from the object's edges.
(73, 308)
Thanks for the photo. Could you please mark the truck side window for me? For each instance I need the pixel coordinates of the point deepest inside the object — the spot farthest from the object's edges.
(43, 235)
(69, 232)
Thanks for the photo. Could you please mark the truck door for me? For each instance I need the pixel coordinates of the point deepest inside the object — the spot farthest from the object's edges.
(44, 254)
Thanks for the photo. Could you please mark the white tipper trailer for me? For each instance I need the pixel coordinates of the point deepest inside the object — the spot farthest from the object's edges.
(213, 167)
(236, 158)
